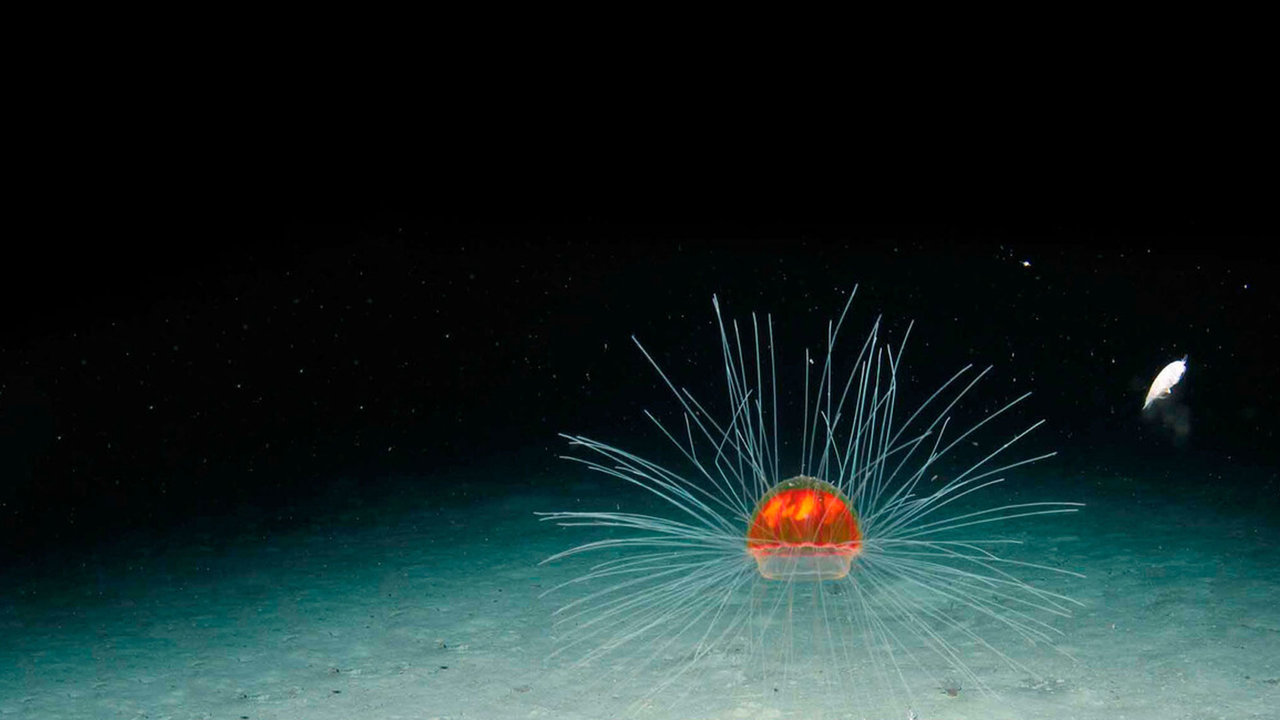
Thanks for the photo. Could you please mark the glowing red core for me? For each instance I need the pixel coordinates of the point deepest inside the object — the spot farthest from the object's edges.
(803, 529)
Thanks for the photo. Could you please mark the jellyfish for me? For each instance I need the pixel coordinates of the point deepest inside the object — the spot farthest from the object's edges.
(847, 589)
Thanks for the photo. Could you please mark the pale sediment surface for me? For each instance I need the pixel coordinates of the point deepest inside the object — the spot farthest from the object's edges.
(426, 608)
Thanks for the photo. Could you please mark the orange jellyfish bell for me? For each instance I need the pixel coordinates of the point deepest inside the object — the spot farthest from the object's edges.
(803, 529)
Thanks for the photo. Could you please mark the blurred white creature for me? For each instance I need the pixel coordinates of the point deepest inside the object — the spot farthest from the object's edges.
(1165, 381)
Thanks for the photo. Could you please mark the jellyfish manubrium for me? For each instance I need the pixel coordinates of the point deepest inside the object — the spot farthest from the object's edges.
(855, 588)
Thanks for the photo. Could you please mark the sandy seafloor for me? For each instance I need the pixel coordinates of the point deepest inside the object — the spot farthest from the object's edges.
(424, 606)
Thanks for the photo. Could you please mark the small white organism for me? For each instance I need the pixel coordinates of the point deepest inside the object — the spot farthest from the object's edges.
(1165, 381)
